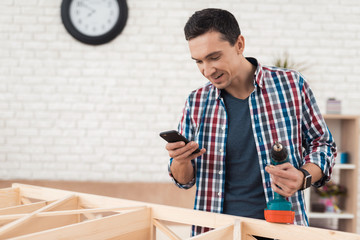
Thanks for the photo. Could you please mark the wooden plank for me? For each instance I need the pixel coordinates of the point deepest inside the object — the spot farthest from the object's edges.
(287, 231)
(22, 208)
(165, 230)
(133, 225)
(68, 212)
(191, 217)
(223, 233)
(248, 237)
(18, 209)
(152, 227)
(13, 229)
(89, 216)
(25, 200)
(9, 197)
(85, 200)
(259, 227)
(237, 229)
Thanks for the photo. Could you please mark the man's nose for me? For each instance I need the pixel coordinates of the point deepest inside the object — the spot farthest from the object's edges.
(208, 70)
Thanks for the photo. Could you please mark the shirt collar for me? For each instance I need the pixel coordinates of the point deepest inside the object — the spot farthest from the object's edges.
(259, 72)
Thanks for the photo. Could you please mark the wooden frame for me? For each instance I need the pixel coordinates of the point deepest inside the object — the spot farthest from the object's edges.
(32, 212)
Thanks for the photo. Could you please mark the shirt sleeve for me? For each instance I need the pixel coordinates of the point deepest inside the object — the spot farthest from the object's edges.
(183, 186)
(184, 128)
(318, 143)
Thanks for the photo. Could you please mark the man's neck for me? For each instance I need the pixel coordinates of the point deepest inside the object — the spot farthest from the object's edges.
(243, 86)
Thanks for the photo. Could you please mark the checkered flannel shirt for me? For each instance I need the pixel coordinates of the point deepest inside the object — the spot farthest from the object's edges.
(283, 108)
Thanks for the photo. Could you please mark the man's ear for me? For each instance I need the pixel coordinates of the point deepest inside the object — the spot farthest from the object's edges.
(240, 44)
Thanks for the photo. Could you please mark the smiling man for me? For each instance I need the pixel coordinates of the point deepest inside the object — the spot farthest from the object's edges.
(236, 118)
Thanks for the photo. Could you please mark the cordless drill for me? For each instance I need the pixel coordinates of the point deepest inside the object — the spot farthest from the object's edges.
(279, 209)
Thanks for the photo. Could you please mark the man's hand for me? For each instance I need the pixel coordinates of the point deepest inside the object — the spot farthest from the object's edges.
(286, 179)
(181, 167)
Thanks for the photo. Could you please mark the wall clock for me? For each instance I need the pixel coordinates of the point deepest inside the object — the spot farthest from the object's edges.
(94, 21)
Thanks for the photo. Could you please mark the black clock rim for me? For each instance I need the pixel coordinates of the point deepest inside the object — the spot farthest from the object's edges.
(105, 38)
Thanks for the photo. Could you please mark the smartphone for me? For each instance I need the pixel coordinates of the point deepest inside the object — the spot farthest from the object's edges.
(175, 136)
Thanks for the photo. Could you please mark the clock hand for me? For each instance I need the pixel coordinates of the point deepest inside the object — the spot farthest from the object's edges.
(82, 4)
(91, 13)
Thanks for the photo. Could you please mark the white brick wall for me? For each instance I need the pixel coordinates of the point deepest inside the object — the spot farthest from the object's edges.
(78, 112)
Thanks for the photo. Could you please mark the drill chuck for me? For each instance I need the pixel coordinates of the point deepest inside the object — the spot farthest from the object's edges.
(279, 153)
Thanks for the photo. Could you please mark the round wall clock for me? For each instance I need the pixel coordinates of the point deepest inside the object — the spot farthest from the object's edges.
(94, 21)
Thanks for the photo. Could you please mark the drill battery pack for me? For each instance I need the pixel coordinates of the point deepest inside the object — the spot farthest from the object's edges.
(279, 216)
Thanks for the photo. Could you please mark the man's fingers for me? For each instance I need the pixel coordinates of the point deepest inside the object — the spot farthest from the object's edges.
(174, 145)
(284, 171)
(181, 151)
(283, 191)
(285, 178)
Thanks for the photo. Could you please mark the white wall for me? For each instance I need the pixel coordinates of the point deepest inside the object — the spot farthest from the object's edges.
(70, 111)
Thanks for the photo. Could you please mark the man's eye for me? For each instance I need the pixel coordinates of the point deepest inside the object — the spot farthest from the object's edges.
(215, 58)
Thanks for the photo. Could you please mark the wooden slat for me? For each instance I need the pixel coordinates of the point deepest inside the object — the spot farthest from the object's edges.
(25, 200)
(133, 225)
(68, 212)
(248, 237)
(191, 217)
(85, 200)
(165, 230)
(237, 229)
(152, 235)
(9, 197)
(287, 231)
(22, 208)
(17, 210)
(223, 233)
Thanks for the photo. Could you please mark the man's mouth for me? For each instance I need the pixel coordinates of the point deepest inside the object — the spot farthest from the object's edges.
(219, 76)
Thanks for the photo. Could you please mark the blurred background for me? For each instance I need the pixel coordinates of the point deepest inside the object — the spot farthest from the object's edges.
(87, 118)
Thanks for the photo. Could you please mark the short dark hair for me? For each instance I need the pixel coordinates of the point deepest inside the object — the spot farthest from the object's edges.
(212, 19)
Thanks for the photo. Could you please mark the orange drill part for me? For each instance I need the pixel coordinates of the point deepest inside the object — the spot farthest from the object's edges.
(279, 216)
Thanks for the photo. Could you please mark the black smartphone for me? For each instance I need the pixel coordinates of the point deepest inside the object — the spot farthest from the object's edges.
(175, 136)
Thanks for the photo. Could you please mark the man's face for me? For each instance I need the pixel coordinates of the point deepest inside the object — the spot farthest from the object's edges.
(216, 59)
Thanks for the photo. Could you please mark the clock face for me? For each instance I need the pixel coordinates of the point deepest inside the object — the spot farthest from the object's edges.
(94, 21)
(94, 17)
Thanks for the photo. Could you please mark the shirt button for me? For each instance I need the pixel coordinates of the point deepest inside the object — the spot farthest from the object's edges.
(219, 194)
(221, 150)
(223, 128)
(220, 172)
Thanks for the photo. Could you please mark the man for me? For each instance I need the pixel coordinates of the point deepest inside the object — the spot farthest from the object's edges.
(236, 118)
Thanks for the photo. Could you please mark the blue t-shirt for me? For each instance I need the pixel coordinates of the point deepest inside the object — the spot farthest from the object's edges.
(244, 192)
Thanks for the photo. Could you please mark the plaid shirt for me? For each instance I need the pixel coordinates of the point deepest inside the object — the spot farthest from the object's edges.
(283, 108)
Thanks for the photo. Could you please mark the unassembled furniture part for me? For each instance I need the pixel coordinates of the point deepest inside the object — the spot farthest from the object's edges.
(32, 212)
